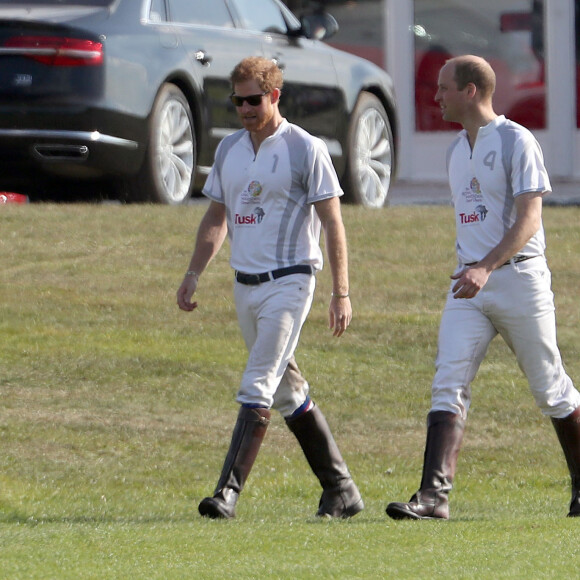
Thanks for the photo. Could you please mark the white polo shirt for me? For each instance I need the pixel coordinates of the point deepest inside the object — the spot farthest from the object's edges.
(506, 161)
(269, 195)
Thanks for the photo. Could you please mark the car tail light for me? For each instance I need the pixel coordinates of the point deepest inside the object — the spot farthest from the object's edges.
(56, 51)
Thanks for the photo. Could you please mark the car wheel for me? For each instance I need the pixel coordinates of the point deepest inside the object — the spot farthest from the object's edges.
(167, 173)
(370, 156)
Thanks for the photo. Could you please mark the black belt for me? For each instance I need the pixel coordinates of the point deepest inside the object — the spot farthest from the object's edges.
(255, 279)
(515, 260)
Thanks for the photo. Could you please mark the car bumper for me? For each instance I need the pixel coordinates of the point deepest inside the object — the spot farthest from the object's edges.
(74, 154)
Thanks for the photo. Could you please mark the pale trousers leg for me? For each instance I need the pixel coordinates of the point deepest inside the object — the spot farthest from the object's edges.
(518, 303)
(529, 329)
(271, 316)
(464, 336)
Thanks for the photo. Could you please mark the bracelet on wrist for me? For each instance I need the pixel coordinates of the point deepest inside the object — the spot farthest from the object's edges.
(335, 295)
(192, 273)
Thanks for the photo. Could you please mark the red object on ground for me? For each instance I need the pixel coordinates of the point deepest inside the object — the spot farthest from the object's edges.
(8, 197)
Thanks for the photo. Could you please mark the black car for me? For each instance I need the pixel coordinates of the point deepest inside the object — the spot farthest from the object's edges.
(135, 93)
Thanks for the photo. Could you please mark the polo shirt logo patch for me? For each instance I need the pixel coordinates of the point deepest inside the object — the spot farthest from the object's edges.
(253, 219)
(474, 186)
(472, 193)
(477, 216)
(252, 192)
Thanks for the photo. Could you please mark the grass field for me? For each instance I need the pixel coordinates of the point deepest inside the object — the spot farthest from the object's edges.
(117, 408)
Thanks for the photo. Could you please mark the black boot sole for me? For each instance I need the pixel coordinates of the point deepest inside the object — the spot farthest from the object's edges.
(211, 508)
(398, 511)
(352, 510)
(347, 512)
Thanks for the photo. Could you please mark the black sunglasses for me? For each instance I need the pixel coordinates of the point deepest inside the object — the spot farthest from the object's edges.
(253, 100)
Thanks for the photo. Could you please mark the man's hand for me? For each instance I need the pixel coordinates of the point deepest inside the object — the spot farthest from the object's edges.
(470, 281)
(185, 293)
(340, 314)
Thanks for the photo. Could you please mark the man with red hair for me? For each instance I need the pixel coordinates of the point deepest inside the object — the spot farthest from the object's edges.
(271, 189)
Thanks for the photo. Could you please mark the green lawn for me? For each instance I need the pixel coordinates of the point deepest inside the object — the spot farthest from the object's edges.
(117, 409)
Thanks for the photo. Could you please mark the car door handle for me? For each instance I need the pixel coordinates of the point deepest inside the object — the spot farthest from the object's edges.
(202, 57)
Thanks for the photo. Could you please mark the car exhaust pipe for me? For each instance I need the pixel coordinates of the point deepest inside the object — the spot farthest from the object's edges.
(56, 152)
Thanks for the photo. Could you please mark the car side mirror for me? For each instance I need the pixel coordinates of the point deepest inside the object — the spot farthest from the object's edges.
(318, 25)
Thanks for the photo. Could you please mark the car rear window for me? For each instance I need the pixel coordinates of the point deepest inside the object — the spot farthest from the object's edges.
(208, 12)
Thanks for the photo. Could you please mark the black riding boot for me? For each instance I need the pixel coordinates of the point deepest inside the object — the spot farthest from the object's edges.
(340, 496)
(444, 437)
(246, 441)
(568, 431)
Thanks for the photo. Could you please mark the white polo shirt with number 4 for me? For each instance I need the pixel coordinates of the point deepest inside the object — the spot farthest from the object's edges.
(505, 162)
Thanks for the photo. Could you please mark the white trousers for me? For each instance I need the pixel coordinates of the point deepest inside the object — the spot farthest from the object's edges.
(271, 316)
(517, 302)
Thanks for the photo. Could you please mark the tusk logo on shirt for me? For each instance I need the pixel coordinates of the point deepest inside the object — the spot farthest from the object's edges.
(253, 219)
(476, 216)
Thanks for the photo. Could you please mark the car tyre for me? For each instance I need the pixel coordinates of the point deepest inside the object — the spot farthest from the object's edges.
(370, 156)
(167, 173)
